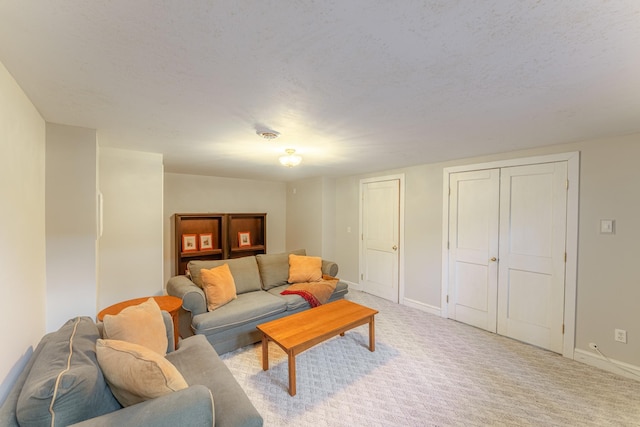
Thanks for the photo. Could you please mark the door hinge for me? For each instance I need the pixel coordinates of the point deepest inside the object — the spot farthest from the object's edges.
(565, 257)
(447, 299)
(563, 329)
(361, 276)
(567, 185)
(449, 190)
(447, 245)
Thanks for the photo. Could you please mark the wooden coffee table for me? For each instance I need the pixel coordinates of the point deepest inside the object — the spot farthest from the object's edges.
(167, 303)
(301, 331)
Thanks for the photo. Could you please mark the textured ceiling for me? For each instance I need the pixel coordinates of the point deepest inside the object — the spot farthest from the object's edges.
(353, 86)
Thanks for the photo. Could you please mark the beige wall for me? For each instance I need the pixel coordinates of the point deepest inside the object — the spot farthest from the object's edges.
(130, 248)
(22, 229)
(198, 194)
(608, 285)
(304, 216)
(71, 162)
(311, 216)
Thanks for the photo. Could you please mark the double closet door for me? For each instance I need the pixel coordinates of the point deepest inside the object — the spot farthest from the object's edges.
(507, 251)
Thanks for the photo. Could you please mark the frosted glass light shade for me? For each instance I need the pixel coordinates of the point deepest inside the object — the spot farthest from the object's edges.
(291, 159)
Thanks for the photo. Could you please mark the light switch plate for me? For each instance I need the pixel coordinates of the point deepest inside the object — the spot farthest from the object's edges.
(606, 226)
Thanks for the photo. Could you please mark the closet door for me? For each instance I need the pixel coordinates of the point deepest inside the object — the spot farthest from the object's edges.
(473, 247)
(531, 281)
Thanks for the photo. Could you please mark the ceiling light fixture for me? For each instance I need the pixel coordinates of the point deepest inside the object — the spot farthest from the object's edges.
(268, 135)
(291, 159)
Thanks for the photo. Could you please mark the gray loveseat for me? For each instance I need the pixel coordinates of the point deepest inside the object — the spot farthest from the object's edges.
(82, 397)
(259, 281)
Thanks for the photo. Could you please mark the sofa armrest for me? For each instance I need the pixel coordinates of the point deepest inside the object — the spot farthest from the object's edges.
(330, 268)
(193, 298)
(192, 406)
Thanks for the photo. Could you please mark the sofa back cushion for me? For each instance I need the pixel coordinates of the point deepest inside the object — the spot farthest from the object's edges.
(274, 268)
(244, 271)
(65, 384)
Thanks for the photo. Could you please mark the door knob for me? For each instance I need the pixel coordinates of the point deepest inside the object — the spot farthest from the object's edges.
(494, 259)
(395, 248)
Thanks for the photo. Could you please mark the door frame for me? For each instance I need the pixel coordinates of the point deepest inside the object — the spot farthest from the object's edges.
(400, 178)
(571, 265)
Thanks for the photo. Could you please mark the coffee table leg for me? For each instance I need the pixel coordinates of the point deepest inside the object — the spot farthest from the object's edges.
(372, 334)
(292, 373)
(265, 353)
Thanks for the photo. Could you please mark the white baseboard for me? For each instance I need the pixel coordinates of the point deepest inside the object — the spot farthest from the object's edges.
(592, 358)
(422, 306)
(406, 301)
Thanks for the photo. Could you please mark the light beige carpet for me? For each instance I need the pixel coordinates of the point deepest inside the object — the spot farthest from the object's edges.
(429, 371)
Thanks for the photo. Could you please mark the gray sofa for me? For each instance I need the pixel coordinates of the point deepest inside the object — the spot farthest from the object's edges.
(259, 281)
(83, 398)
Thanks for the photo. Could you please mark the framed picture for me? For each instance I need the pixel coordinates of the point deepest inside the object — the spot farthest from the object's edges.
(189, 243)
(244, 238)
(206, 241)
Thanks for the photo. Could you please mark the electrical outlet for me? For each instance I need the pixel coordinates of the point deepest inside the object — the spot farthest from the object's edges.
(620, 335)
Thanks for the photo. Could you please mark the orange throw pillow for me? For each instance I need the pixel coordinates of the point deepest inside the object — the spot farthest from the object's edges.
(219, 286)
(304, 269)
(140, 324)
(135, 373)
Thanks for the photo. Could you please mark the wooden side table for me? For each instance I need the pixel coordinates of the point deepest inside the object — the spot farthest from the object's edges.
(167, 303)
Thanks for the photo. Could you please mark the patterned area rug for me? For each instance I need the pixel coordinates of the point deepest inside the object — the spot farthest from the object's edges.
(430, 371)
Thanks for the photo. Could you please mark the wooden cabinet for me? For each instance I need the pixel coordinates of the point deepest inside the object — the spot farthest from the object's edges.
(246, 234)
(202, 236)
(189, 230)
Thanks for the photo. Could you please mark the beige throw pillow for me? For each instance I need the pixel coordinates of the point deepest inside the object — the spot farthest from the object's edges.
(304, 269)
(219, 286)
(135, 373)
(139, 324)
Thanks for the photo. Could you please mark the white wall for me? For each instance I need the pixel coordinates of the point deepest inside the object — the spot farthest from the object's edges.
(202, 194)
(311, 216)
(71, 158)
(304, 215)
(329, 218)
(130, 248)
(22, 229)
(608, 284)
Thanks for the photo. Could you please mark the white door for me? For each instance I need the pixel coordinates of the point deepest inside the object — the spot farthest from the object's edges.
(473, 247)
(531, 282)
(380, 241)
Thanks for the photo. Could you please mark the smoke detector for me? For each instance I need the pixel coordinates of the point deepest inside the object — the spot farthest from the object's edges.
(268, 134)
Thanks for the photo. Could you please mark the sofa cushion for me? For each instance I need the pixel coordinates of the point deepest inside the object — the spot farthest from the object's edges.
(219, 286)
(274, 268)
(341, 290)
(136, 373)
(248, 307)
(139, 324)
(304, 268)
(65, 384)
(201, 365)
(244, 271)
(294, 302)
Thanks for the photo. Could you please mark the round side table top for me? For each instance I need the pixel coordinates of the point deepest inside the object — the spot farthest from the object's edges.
(167, 303)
